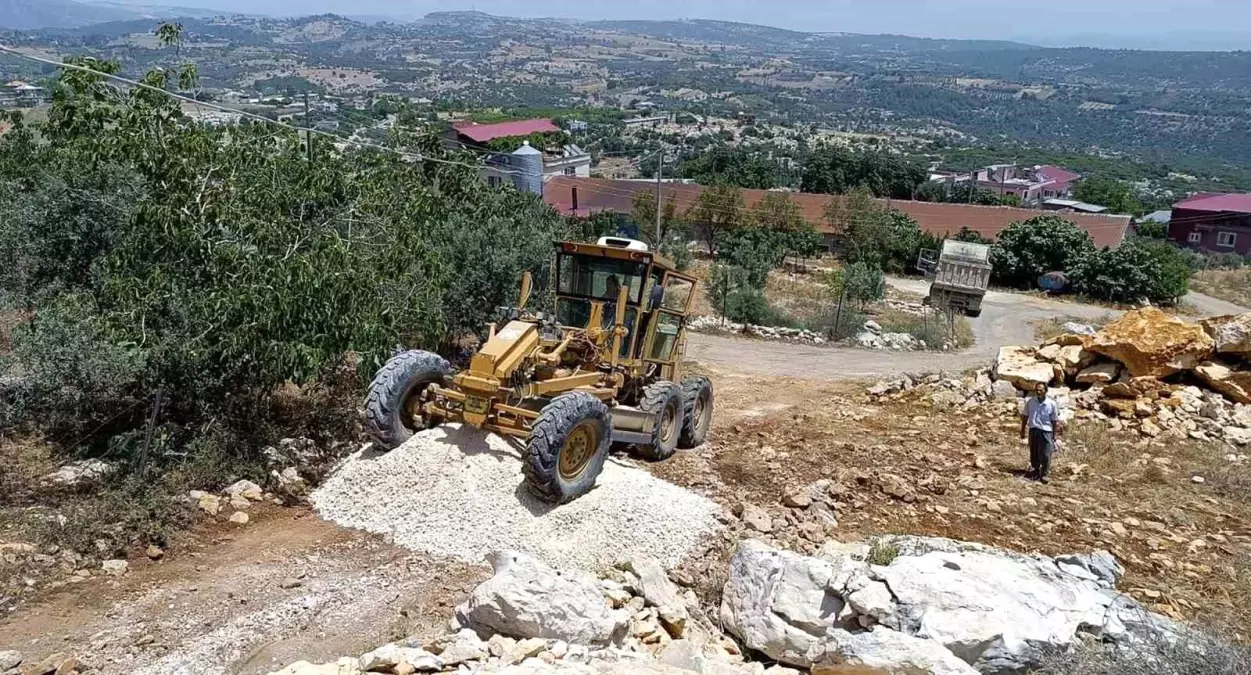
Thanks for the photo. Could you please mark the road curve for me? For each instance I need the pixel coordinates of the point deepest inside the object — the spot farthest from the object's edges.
(1007, 319)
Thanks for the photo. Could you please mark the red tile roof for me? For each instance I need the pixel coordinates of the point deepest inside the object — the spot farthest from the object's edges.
(1236, 203)
(597, 194)
(1056, 174)
(481, 133)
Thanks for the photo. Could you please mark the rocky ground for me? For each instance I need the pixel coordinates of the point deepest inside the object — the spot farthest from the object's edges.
(817, 472)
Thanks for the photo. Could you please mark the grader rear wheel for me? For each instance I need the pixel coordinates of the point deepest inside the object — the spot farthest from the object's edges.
(697, 395)
(567, 447)
(664, 401)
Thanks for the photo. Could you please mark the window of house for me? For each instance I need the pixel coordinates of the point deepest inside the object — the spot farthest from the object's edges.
(493, 181)
(1226, 239)
(570, 171)
(1194, 237)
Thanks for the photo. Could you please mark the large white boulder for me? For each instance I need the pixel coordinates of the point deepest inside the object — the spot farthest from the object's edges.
(937, 604)
(1019, 366)
(527, 599)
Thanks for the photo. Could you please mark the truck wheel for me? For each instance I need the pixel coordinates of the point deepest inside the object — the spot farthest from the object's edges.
(663, 400)
(973, 313)
(567, 447)
(393, 406)
(697, 397)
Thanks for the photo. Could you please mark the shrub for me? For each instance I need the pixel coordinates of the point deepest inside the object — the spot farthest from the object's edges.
(749, 305)
(1030, 248)
(1137, 269)
(882, 553)
(857, 283)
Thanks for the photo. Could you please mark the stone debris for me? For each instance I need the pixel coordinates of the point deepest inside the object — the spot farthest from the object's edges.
(871, 335)
(935, 606)
(114, 568)
(1186, 393)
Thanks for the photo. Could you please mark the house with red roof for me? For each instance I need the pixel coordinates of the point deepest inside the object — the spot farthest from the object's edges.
(563, 159)
(585, 196)
(1033, 185)
(1213, 222)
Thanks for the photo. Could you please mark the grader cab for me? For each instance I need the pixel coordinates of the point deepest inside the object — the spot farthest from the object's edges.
(604, 367)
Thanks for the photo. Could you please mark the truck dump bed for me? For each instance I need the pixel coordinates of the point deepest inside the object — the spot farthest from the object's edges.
(963, 266)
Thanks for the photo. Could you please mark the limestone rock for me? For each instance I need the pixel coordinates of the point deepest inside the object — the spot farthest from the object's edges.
(1149, 342)
(1234, 384)
(779, 602)
(344, 666)
(757, 518)
(1074, 328)
(239, 518)
(1231, 334)
(78, 474)
(1019, 366)
(525, 598)
(892, 651)
(210, 504)
(247, 490)
(9, 659)
(1099, 566)
(388, 656)
(115, 568)
(467, 646)
(1100, 373)
(659, 592)
(1004, 389)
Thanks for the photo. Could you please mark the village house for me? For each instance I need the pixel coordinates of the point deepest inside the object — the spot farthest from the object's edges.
(565, 159)
(1216, 223)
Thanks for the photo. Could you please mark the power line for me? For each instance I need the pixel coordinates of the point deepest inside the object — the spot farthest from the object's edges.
(243, 113)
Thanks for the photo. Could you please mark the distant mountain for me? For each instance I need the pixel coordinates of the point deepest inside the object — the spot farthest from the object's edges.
(36, 14)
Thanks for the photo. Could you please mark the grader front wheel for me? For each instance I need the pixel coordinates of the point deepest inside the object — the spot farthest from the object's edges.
(567, 447)
(393, 407)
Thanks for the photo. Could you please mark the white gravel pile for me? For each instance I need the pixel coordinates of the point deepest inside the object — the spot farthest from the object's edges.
(459, 492)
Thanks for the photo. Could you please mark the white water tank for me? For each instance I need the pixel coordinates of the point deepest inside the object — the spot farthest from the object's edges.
(527, 163)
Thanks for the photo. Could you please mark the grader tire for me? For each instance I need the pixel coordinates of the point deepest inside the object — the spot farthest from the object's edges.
(664, 401)
(567, 447)
(697, 395)
(388, 406)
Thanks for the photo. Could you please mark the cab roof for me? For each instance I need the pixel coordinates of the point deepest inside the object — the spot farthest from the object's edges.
(617, 252)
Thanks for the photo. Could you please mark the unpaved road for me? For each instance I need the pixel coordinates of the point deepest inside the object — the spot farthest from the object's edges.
(1007, 319)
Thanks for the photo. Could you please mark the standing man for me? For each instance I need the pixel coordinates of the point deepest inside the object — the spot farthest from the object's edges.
(1042, 421)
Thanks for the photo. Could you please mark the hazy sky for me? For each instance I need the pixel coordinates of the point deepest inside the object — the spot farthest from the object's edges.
(1185, 24)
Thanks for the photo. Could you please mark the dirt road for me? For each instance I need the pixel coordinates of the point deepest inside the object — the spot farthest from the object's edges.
(1007, 319)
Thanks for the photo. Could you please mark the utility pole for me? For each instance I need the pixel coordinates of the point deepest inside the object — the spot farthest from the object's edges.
(308, 133)
(660, 167)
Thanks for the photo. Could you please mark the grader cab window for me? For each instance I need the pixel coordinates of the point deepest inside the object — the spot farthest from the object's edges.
(581, 279)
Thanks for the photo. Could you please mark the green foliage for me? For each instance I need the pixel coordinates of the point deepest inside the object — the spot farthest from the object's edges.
(735, 166)
(962, 193)
(539, 140)
(755, 251)
(1108, 192)
(1150, 229)
(1030, 248)
(1137, 269)
(858, 282)
(718, 210)
(215, 264)
(836, 170)
(881, 553)
(972, 236)
(875, 235)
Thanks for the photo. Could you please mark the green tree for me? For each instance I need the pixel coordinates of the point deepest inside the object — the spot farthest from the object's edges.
(735, 166)
(1150, 229)
(836, 170)
(718, 210)
(1108, 192)
(1028, 249)
(860, 283)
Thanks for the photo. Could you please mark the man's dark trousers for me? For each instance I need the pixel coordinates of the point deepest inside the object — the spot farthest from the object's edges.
(1041, 445)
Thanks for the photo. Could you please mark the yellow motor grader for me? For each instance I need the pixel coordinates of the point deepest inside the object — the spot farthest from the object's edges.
(604, 367)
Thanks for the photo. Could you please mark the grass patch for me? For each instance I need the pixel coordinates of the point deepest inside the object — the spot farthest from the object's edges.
(882, 553)
(1228, 285)
(932, 328)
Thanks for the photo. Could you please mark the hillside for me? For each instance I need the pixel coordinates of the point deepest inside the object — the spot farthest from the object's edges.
(45, 14)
